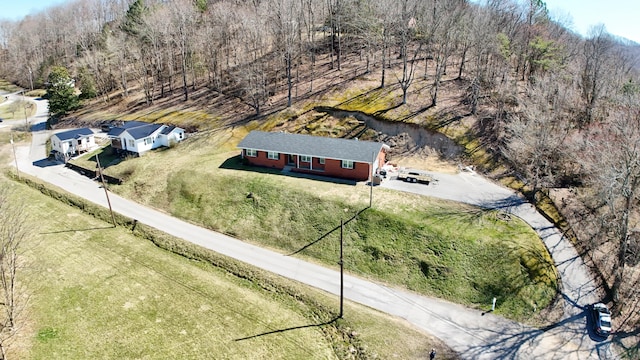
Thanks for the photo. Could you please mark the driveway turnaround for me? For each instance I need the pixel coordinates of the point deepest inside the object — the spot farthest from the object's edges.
(472, 334)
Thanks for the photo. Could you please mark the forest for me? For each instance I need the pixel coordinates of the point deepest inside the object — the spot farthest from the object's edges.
(560, 109)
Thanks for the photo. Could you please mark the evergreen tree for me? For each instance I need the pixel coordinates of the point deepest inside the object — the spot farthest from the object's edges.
(133, 19)
(61, 92)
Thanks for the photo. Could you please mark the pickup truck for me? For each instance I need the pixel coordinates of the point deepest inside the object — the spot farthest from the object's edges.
(412, 175)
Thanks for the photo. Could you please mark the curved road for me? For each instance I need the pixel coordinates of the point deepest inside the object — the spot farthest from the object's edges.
(469, 332)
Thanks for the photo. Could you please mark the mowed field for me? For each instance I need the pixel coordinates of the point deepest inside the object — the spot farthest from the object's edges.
(97, 292)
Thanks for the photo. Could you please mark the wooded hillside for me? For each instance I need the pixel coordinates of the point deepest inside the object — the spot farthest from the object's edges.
(562, 111)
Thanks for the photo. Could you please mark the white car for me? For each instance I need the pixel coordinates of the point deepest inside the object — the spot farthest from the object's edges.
(601, 319)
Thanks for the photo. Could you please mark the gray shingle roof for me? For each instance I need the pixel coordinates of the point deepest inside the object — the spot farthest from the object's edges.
(167, 130)
(74, 134)
(132, 124)
(140, 132)
(115, 132)
(316, 146)
(137, 129)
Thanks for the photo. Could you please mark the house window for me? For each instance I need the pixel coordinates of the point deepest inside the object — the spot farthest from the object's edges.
(347, 164)
(304, 158)
(321, 161)
(148, 141)
(132, 143)
(273, 155)
(251, 152)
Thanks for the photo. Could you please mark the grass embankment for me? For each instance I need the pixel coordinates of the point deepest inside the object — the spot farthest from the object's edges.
(438, 248)
(8, 87)
(102, 292)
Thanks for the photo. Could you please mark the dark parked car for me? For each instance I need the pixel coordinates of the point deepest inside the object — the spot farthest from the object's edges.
(106, 127)
(601, 319)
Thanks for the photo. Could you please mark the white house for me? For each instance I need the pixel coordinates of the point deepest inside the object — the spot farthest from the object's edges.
(139, 137)
(68, 143)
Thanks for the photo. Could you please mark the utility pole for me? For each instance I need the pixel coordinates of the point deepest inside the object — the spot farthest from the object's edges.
(14, 155)
(24, 105)
(30, 78)
(341, 272)
(373, 159)
(104, 186)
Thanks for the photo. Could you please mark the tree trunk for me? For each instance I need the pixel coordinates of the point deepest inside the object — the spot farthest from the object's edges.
(624, 244)
(289, 79)
(462, 61)
(384, 57)
(185, 86)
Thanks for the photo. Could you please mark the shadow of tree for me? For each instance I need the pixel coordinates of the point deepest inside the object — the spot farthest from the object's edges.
(75, 230)
(514, 341)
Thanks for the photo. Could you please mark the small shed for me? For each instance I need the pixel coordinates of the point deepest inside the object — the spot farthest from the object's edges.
(72, 142)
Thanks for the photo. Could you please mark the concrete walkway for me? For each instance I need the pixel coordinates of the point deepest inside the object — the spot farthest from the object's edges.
(467, 331)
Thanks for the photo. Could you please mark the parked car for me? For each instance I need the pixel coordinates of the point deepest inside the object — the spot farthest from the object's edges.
(106, 127)
(601, 319)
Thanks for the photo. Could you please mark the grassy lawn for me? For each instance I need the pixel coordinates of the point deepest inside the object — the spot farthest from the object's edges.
(457, 252)
(17, 110)
(101, 292)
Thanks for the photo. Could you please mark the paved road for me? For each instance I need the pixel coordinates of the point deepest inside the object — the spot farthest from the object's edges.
(578, 286)
(467, 331)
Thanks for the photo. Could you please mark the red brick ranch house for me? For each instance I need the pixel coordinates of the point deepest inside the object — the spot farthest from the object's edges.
(332, 157)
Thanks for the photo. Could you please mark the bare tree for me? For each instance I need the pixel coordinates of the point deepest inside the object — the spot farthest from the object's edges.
(596, 55)
(13, 234)
(405, 30)
(285, 28)
(614, 154)
(253, 79)
(385, 35)
(183, 18)
(448, 14)
(537, 140)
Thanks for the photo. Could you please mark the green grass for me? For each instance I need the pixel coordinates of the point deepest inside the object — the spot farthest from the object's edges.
(106, 155)
(450, 251)
(7, 86)
(106, 294)
(102, 292)
(17, 110)
(437, 248)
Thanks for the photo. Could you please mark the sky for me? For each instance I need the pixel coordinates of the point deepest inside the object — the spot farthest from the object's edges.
(620, 17)
(18, 9)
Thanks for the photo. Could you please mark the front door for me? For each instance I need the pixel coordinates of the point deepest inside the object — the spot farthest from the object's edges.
(291, 159)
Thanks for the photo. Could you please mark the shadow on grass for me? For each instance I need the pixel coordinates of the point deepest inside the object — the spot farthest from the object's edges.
(107, 156)
(327, 233)
(288, 329)
(235, 163)
(74, 230)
